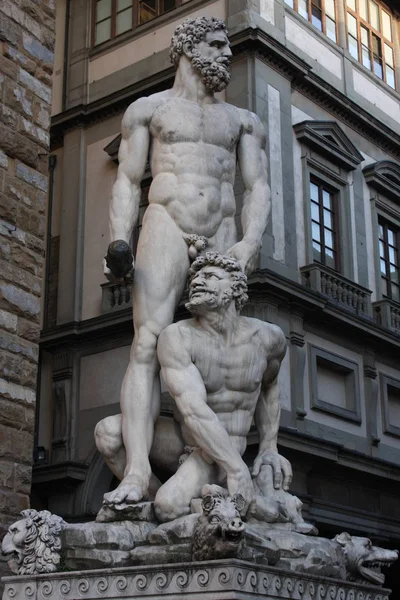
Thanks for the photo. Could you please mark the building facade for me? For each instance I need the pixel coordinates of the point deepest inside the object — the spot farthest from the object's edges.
(324, 78)
(26, 66)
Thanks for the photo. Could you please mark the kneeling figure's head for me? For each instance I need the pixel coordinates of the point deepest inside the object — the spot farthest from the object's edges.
(214, 282)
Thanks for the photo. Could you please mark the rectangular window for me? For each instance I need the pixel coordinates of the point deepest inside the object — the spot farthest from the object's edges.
(370, 38)
(321, 13)
(389, 255)
(113, 17)
(324, 224)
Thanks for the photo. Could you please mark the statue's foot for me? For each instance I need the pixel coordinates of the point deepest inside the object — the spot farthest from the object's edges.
(131, 489)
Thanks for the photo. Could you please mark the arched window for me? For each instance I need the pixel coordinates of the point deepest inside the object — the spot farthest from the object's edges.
(321, 13)
(370, 37)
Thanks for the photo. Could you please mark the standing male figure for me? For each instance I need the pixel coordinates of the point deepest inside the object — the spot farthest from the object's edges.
(194, 142)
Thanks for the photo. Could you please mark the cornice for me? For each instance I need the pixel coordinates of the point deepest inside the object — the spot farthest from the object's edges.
(257, 42)
(384, 176)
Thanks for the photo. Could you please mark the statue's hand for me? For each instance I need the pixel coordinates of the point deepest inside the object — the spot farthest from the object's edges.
(118, 263)
(240, 482)
(281, 468)
(246, 254)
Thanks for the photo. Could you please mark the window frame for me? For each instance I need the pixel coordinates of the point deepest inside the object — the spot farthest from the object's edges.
(384, 221)
(321, 183)
(342, 365)
(323, 20)
(388, 427)
(371, 30)
(135, 19)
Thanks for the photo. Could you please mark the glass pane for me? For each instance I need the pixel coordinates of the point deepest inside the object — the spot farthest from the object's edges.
(168, 5)
(330, 259)
(353, 47)
(290, 3)
(328, 238)
(387, 26)
(374, 15)
(314, 192)
(330, 9)
(328, 219)
(327, 199)
(381, 249)
(103, 10)
(383, 266)
(392, 255)
(317, 251)
(352, 4)
(362, 7)
(378, 67)
(121, 4)
(124, 21)
(390, 79)
(394, 275)
(391, 237)
(315, 212)
(103, 31)
(303, 10)
(376, 45)
(331, 29)
(316, 234)
(352, 25)
(389, 55)
(316, 17)
(366, 59)
(381, 231)
(147, 11)
(384, 287)
(364, 36)
(395, 293)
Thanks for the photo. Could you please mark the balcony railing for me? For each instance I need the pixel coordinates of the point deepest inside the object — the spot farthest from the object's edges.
(387, 314)
(338, 289)
(116, 296)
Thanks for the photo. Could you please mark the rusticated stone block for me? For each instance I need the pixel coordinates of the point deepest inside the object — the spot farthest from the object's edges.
(28, 330)
(12, 368)
(18, 146)
(22, 478)
(19, 301)
(6, 474)
(15, 445)
(13, 503)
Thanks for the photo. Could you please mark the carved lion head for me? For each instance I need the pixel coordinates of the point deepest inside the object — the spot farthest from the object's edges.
(33, 543)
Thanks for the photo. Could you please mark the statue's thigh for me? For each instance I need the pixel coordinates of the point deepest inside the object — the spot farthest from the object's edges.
(161, 269)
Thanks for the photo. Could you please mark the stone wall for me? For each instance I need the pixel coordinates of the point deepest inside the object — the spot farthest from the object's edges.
(26, 65)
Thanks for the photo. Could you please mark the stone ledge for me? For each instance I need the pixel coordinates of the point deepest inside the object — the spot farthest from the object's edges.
(213, 580)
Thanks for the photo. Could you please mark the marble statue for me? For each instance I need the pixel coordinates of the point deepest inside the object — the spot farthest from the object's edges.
(33, 543)
(193, 141)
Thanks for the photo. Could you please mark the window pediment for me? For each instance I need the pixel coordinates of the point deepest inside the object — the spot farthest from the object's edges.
(329, 140)
(384, 176)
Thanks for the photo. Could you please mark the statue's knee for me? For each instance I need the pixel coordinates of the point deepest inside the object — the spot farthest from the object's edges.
(145, 345)
(169, 506)
(108, 436)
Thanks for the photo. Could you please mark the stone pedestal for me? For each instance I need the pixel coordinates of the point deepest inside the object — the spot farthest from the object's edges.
(213, 580)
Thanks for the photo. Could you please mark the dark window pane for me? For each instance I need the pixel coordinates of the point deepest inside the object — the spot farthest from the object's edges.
(168, 5)
(103, 31)
(147, 11)
(396, 293)
(376, 45)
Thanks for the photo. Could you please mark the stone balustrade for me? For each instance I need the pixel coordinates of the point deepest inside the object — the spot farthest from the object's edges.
(387, 314)
(339, 289)
(116, 296)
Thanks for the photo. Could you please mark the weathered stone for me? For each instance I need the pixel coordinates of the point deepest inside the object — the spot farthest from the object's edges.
(31, 176)
(10, 230)
(17, 146)
(8, 67)
(142, 511)
(16, 345)
(42, 114)
(5, 250)
(6, 474)
(38, 51)
(19, 98)
(13, 11)
(28, 330)
(13, 503)
(153, 555)
(22, 302)
(22, 278)
(8, 321)
(21, 59)
(38, 88)
(16, 392)
(22, 478)
(29, 221)
(36, 134)
(9, 31)
(26, 259)
(8, 116)
(11, 413)
(12, 368)
(8, 208)
(15, 445)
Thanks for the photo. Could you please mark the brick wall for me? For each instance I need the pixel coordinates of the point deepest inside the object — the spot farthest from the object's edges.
(26, 63)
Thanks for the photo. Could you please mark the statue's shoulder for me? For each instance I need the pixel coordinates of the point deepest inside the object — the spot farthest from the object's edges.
(271, 336)
(142, 109)
(176, 332)
(251, 123)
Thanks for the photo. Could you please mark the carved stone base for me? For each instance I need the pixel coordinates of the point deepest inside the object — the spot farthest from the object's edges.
(213, 580)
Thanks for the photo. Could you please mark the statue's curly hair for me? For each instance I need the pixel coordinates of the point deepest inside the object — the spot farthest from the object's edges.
(42, 543)
(191, 32)
(230, 265)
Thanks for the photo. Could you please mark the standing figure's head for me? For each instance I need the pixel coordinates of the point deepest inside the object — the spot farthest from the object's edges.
(214, 282)
(204, 41)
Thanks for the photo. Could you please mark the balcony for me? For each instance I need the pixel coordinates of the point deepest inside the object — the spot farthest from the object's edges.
(387, 314)
(116, 296)
(337, 289)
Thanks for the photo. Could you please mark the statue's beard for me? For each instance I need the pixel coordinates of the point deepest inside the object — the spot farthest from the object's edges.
(209, 301)
(214, 74)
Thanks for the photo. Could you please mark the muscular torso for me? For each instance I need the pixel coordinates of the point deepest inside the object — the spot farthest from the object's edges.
(232, 373)
(193, 160)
